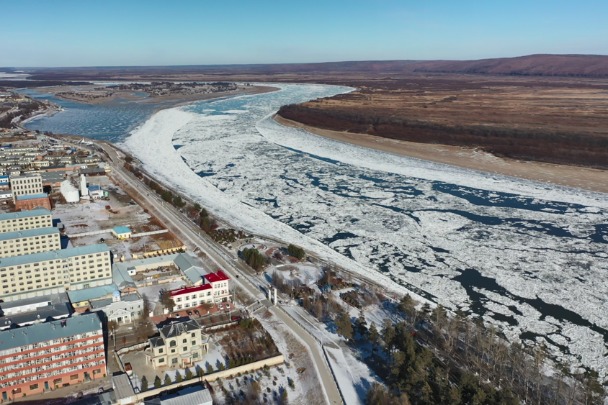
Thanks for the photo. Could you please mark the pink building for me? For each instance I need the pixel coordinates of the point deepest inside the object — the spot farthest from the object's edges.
(49, 355)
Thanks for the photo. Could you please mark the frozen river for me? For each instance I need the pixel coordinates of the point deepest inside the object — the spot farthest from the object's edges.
(529, 257)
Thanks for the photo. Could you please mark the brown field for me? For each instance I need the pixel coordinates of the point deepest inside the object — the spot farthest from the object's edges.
(552, 120)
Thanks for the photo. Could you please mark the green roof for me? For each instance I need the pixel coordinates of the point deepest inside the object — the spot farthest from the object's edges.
(24, 214)
(29, 233)
(31, 196)
(91, 293)
(55, 254)
(42, 332)
(122, 229)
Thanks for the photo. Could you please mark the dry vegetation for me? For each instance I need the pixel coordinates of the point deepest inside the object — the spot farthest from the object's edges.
(551, 120)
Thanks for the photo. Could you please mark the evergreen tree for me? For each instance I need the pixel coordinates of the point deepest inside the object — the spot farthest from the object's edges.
(157, 382)
(167, 380)
(361, 324)
(373, 334)
(345, 327)
(144, 384)
(178, 377)
(188, 374)
(199, 371)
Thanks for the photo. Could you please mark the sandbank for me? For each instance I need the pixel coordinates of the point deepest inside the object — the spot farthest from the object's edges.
(471, 158)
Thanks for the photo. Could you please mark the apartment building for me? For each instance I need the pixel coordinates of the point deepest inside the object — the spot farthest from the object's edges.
(180, 344)
(50, 355)
(25, 185)
(215, 289)
(29, 241)
(56, 271)
(19, 221)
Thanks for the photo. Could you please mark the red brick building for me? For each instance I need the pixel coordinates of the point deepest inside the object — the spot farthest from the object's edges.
(32, 201)
(46, 356)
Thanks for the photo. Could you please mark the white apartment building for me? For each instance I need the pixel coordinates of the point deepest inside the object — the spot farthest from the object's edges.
(19, 221)
(215, 289)
(53, 272)
(29, 241)
(26, 184)
(180, 344)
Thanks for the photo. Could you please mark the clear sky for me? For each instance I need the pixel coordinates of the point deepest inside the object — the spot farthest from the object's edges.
(188, 32)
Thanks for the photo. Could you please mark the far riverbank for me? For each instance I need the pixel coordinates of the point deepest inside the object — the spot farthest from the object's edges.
(470, 158)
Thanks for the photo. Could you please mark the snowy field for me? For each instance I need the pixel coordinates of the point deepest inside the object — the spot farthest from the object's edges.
(526, 256)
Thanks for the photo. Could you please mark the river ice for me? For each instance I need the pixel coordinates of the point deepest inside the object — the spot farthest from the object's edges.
(529, 257)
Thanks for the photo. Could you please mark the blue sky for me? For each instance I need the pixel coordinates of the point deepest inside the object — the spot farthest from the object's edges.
(151, 32)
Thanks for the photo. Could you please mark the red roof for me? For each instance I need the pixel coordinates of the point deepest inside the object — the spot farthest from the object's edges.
(187, 290)
(217, 276)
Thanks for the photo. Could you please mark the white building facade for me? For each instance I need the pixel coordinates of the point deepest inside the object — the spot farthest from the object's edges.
(26, 184)
(19, 221)
(56, 271)
(214, 289)
(29, 241)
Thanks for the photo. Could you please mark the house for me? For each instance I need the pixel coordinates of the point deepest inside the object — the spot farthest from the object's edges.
(180, 344)
(121, 232)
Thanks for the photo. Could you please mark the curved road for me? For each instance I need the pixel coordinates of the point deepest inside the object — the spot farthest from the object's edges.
(193, 237)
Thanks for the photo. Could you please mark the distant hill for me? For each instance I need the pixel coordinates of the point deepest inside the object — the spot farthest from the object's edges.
(532, 65)
(591, 66)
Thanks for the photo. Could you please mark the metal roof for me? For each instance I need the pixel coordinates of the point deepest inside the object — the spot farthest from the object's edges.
(188, 290)
(42, 332)
(29, 233)
(177, 328)
(53, 255)
(188, 396)
(24, 214)
(92, 293)
(32, 196)
(121, 229)
(122, 386)
(217, 276)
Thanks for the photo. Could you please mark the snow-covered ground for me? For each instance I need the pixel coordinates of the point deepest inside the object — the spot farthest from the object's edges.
(527, 256)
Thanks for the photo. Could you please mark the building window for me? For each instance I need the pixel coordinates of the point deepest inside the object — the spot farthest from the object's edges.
(34, 387)
(74, 377)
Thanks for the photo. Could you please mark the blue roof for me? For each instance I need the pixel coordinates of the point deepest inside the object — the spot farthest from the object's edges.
(24, 214)
(29, 233)
(42, 332)
(55, 254)
(92, 293)
(32, 196)
(94, 187)
(122, 229)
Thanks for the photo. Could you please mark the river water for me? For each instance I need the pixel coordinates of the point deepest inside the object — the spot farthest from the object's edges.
(528, 257)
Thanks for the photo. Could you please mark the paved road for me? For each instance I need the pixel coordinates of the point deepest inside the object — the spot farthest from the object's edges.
(194, 238)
